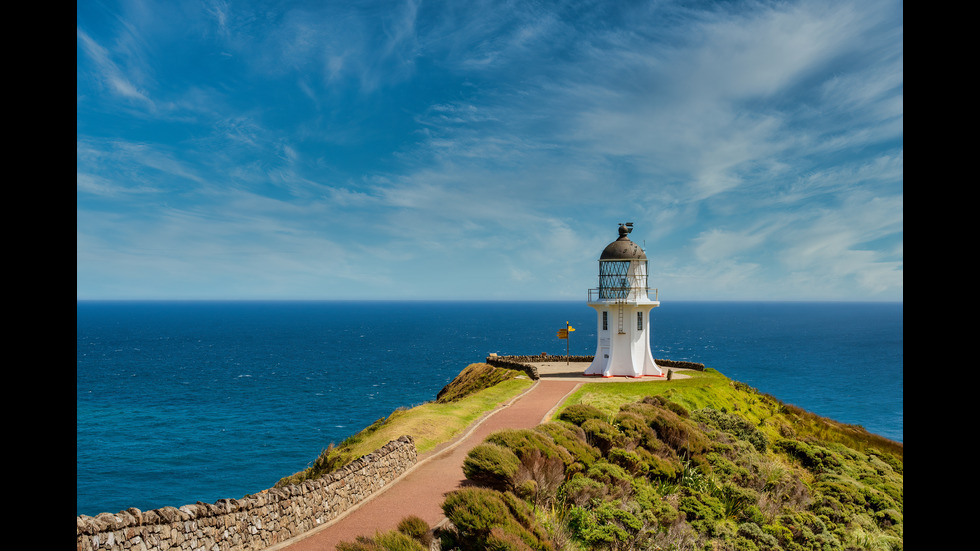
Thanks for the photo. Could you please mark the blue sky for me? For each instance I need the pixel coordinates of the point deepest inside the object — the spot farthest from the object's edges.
(488, 150)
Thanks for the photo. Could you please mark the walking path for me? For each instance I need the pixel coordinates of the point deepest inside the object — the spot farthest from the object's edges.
(422, 489)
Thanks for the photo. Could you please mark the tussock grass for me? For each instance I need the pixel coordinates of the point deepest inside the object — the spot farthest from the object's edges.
(475, 378)
(701, 390)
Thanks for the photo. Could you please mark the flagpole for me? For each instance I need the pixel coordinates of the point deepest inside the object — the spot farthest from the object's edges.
(563, 334)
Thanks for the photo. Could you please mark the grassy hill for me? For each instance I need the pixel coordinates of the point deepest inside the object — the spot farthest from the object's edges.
(699, 463)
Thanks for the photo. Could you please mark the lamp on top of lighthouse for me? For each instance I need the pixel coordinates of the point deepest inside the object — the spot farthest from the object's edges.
(622, 303)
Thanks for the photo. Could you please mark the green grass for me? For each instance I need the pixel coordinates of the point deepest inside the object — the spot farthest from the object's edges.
(711, 389)
(430, 424)
(474, 378)
(707, 388)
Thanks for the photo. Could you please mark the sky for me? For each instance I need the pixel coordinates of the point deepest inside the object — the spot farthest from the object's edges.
(488, 150)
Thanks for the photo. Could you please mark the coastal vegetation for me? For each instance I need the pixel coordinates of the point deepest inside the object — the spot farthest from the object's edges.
(704, 463)
(477, 390)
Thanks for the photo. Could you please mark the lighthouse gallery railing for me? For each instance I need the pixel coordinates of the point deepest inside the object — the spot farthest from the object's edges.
(622, 293)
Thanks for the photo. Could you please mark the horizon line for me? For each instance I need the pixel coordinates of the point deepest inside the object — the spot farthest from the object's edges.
(402, 300)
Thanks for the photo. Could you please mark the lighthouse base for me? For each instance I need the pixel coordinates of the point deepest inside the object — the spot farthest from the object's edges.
(604, 366)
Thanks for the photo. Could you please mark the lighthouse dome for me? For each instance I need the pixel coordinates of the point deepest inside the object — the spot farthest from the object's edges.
(623, 248)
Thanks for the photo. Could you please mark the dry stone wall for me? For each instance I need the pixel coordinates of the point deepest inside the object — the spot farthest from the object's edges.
(525, 363)
(680, 364)
(254, 522)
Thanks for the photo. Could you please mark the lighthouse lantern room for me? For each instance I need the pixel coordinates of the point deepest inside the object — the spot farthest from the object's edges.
(623, 304)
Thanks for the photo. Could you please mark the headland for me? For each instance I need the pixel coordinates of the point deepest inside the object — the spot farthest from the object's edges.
(705, 429)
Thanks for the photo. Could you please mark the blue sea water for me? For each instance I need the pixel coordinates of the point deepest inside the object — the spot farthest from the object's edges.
(179, 402)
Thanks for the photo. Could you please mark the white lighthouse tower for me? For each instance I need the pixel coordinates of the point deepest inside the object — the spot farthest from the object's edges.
(623, 305)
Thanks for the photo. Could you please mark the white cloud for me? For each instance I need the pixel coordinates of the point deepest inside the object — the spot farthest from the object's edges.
(757, 146)
(109, 73)
(715, 244)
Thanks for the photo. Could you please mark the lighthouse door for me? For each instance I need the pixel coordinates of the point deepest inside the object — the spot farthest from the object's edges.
(604, 350)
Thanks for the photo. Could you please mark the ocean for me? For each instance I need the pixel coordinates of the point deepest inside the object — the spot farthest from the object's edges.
(179, 402)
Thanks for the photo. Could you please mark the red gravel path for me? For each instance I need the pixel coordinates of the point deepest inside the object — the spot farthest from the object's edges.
(421, 491)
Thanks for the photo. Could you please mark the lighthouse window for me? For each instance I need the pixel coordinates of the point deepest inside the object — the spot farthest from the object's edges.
(605, 321)
(639, 321)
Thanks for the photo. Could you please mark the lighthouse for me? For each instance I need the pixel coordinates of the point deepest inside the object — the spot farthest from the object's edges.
(623, 304)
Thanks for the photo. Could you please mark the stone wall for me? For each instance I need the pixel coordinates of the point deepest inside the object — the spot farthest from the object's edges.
(680, 365)
(524, 363)
(254, 522)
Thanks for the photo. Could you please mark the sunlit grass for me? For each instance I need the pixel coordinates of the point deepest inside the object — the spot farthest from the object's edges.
(433, 423)
(711, 389)
(703, 389)
(429, 424)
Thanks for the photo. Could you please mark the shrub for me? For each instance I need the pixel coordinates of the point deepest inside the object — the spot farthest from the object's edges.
(579, 413)
(417, 529)
(846, 493)
(754, 533)
(605, 525)
(491, 465)
(663, 469)
(645, 409)
(580, 490)
(487, 519)
(813, 456)
(698, 506)
(894, 490)
(522, 441)
(877, 500)
(830, 507)
(629, 460)
(635, 431)
(601, 434)
(475, 510)
(538, 477)
(734, 424)
(609, 473)
(892, 461)
(722, 467)
(679, 434)
(618, 483)
(501, 540)
(665, 513)
(665, 403)
(888, 518)
(806, 530)
(573, 439)
(385, 541)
